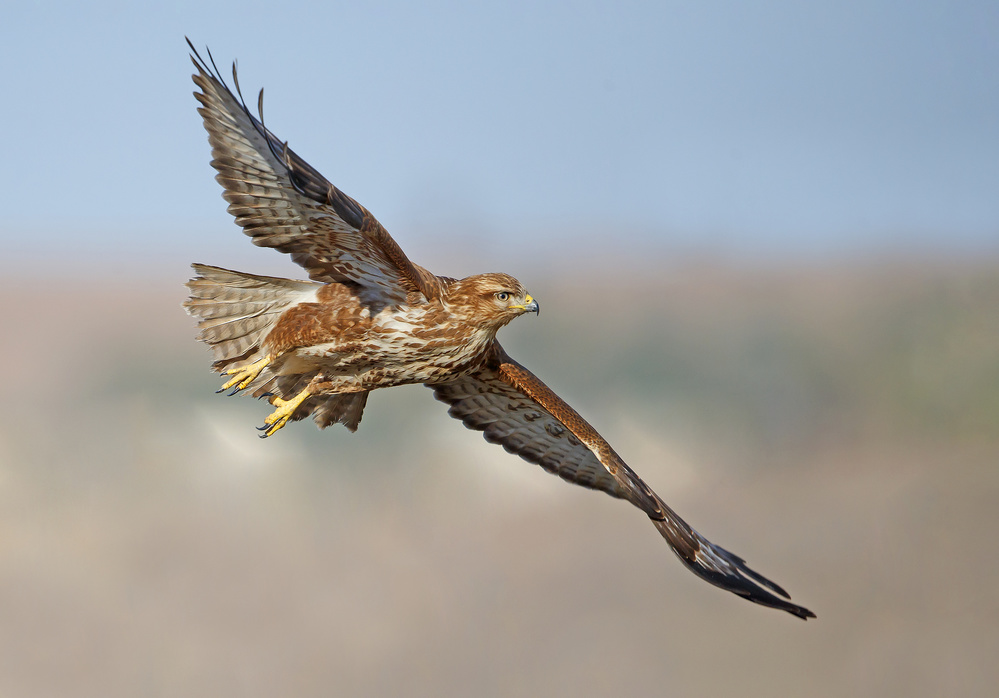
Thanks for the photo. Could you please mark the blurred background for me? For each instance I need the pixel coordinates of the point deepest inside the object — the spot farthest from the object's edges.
(766, 240)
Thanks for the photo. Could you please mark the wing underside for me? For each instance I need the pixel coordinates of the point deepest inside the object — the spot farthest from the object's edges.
(514, 409)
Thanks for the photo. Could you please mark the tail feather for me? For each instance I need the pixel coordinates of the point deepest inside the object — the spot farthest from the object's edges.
(235, 313)
(209, 309)
(236, 310)
(345, 408)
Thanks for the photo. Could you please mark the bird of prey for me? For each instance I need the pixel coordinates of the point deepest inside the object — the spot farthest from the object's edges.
(370, 318)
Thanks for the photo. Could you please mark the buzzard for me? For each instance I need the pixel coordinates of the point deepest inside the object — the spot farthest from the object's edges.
(370, 318)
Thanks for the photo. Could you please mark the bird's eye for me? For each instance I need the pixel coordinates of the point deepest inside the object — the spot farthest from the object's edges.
(503, 296)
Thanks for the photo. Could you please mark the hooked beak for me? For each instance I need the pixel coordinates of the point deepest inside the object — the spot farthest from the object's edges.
(530, 305)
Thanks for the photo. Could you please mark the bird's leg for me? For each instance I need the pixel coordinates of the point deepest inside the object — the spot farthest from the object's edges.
(244, 375)
(285, 409)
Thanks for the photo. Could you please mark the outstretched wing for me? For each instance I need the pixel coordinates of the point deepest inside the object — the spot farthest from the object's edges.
(513, 408)
(282, 202)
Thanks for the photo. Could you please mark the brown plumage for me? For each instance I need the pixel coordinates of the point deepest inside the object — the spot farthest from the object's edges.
(370, 318)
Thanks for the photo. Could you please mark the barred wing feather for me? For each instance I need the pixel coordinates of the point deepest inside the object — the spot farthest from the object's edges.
(514, 409)
(280, 201)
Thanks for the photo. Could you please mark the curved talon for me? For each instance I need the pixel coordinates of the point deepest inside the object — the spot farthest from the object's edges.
(243, 376)
(271, 429)
(265, 395)
(285, 409)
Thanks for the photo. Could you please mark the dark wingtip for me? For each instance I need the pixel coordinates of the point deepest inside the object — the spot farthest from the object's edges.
(747, 589)
(306, 180)
(804, 613)
(738, 562)
(725, 570)
(799, 611)
(197, 59)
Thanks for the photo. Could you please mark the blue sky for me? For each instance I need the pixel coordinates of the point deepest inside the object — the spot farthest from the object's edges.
(784, 128)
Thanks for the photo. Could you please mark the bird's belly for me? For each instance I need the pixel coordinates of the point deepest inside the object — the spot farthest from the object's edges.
(395, 352)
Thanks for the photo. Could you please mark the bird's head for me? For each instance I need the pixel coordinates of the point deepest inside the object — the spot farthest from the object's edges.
(490, 300)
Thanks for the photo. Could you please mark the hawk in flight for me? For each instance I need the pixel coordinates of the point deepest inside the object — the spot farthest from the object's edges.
(370, 318)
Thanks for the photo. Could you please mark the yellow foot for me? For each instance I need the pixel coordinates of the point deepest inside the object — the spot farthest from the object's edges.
(244, 375)
(285, 409)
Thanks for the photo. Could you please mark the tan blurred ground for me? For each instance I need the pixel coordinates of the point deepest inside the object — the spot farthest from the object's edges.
(838, 427)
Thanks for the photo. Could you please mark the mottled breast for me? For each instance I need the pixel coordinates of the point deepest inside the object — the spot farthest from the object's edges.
(358, 346)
